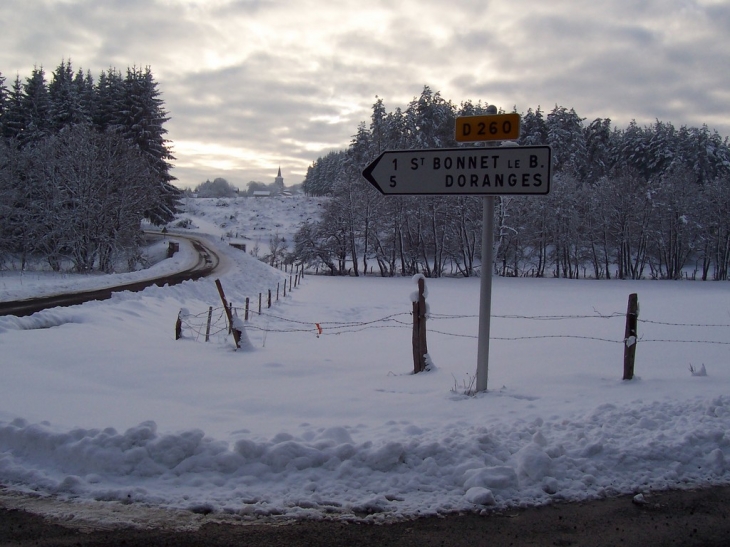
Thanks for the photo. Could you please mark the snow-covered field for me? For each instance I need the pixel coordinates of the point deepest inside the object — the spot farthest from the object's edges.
(100, 405)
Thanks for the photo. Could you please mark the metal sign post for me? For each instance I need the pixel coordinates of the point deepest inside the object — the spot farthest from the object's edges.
(485, 289)
(518, 170)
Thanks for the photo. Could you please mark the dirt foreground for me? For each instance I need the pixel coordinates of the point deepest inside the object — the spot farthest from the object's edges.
(684, 518)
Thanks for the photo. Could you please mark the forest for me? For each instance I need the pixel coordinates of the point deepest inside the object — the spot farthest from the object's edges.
(632, 203)
(82, 163)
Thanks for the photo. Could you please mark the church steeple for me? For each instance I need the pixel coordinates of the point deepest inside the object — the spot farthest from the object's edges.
(279, 180)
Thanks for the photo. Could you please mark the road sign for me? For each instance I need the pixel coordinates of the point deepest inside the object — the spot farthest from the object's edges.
(460, 171)
(496, 127)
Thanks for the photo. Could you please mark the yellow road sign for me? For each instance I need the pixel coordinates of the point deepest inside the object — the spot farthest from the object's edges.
(497, 127)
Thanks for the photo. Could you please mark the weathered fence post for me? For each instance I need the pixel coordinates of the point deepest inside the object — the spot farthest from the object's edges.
(631, 336)
(245, 315)
(259, 303)
(277, 291)
(236, 332)
(178, 326)
(207, 327)
(269, 298)
(420, 348)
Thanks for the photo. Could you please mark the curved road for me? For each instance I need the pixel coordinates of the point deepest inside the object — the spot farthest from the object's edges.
(208, 261)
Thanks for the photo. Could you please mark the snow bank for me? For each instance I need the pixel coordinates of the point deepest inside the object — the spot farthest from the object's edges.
(330, 471)
(99, 402)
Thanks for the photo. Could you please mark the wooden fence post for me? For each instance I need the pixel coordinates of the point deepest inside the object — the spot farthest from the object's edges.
(277, 291)
(207, 327)
(269, 298)
(631, 336)
(245, 315)
(178, 326)
(420, 348)
(259, 303)
(236, 332)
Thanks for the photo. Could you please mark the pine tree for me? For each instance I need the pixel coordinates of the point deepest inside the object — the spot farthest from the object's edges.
(534, 130)
(13, 118)
(598, 148)
(142, 120)
(108, 100)
(631, 150)
(83, 85)
(4, 99)
(66, 96)
(430, 121)
(565, 136)
(378, 128)
(36, 108)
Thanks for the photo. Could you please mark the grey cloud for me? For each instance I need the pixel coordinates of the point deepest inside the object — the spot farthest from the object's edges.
(290, 81)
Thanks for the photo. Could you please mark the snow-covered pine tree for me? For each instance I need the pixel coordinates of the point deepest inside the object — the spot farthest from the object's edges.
(704, 152)
(65, 97)
(142, 123)
(598, 149)
(83, 86)
(430, 121)
(631, 150)
(4, 99)
(566, 137)
(108, 100)
(35, 108)
(534, 130)
(661, 148)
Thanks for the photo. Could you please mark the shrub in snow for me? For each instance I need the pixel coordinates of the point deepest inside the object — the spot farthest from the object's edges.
(695, 372)
(466, 387)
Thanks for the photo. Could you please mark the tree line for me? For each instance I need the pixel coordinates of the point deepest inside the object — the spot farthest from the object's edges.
(624, 203)
(82, 163)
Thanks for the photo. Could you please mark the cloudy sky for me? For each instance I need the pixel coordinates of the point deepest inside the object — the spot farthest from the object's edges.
(252, 85)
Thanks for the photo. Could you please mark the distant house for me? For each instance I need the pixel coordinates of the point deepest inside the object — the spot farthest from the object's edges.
(275, 188)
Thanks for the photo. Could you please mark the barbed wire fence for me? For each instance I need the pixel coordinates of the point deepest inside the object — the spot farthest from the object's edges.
(214, 322)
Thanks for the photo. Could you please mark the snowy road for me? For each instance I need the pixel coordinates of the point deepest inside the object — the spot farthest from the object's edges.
(207, 263)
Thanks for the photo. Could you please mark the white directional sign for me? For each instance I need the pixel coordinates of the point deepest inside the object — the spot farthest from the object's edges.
(459, 171)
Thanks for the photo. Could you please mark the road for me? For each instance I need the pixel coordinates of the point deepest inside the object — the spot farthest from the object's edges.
(207, 263)
(698, 518)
